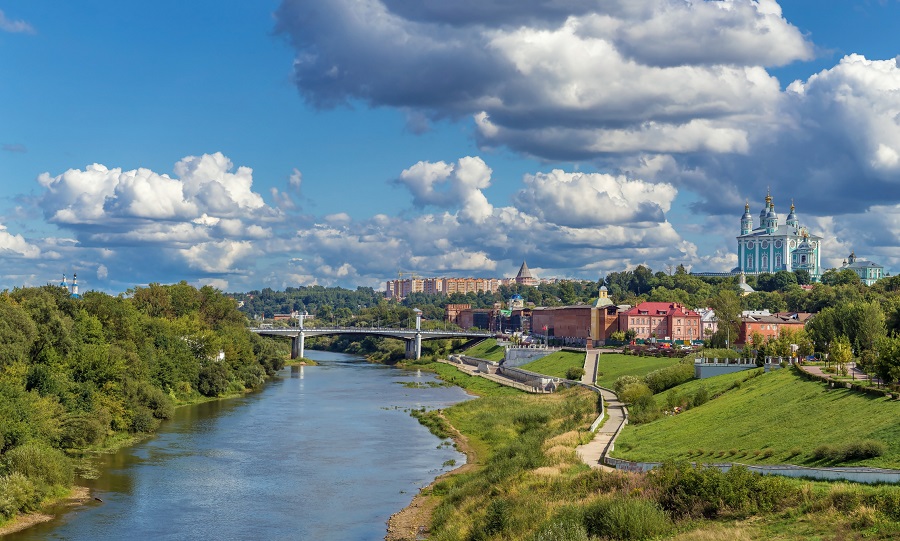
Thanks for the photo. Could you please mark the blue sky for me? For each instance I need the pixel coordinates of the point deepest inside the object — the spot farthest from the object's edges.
(274, 144)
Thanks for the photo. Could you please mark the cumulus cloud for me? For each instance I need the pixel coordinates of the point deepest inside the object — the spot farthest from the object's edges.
(560, 80)
(14, 26)
(559, 221)
(442, 185)
(206, 216)
(16, 246)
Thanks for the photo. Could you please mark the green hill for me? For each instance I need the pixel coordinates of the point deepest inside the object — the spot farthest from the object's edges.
(614, 365)
(557, 363)
(775, 418)
(487, 350)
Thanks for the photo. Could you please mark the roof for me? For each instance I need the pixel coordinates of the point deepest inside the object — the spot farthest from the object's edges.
(777, 318)
(861, 264)
(661, 309)
(524, 272)
(602, 302)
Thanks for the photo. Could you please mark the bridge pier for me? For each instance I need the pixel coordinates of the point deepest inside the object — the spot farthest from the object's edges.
(414, 347)
(298, 344)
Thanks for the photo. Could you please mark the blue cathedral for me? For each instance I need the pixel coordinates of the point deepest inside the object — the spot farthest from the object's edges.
(772, 247)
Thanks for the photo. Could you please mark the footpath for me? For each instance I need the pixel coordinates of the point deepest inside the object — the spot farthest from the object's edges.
(593, 452)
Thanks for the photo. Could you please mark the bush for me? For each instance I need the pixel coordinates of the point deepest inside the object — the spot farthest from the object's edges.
(847, 452)
(670, 376)
(574, 373)
(17, 494)
(82, 430)
(695, 492)
(43, 465)
(700, 397)
(625, 518)
(213, 379)
(143, 421)
(566, 525)
(624, 381)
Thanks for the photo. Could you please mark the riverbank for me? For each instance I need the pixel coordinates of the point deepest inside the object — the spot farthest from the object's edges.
(78, 496)
(415, 519)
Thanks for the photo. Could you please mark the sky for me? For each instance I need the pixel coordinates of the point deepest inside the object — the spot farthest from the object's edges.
(285, 143)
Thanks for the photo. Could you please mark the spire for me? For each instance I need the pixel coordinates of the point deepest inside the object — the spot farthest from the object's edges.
(523, 271)
(75, 286)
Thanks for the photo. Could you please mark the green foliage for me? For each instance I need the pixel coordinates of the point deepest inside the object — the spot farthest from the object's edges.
(40, 464)
(18, 494)
(850, 451)
(574, 373)
(626, 519)
(670, 376)
(76, 371)
(688, 491)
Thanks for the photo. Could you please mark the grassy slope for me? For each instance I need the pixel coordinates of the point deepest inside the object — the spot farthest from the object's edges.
(556, 363)
(776, 414)
(488, 350)
(613, 365)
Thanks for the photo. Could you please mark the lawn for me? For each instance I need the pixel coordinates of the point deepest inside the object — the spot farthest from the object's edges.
(556, 363)
(774, 418)
(613, 365)
(487, 350)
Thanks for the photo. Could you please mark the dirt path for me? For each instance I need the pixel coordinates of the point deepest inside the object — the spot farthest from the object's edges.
(79, 495)
(412, 523)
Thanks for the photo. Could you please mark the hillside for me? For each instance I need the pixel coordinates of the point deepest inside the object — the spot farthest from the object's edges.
(557, 363)
(774, 418)
(614, 365)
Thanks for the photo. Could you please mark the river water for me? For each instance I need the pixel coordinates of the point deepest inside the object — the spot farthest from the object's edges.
(325, 452)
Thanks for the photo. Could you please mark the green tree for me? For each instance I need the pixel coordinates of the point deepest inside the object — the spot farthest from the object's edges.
(727, 307)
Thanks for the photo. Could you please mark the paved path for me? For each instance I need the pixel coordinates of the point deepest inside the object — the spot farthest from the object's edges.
(591, 359)
(591, 453)
(856, 373)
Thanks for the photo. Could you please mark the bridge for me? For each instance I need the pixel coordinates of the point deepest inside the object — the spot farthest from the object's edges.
(413, 337)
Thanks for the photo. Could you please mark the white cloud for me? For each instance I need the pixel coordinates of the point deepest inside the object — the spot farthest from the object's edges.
(565, 80)
(16, 245)
(13, 26)
(585, 200)
(102, 272)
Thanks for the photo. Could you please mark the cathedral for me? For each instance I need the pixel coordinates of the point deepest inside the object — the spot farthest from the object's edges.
(772, 247)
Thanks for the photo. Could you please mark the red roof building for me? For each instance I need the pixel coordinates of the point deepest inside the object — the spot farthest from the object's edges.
(663, 320)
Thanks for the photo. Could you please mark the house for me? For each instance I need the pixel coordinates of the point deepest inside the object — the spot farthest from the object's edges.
(663, 320)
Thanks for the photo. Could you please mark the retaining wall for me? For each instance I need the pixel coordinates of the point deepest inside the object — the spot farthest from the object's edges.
(856, 475)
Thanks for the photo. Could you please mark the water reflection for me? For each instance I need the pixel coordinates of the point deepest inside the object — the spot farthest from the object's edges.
(329, 453)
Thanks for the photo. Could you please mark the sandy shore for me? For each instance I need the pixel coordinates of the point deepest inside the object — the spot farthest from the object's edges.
(413, 521)
(79, 496)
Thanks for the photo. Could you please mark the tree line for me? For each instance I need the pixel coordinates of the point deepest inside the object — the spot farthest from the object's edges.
(81, 372)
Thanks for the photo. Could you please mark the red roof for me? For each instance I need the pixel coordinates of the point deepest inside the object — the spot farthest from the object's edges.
(660, 309)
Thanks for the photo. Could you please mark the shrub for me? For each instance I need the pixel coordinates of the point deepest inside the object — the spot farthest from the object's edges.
(670, 376)
(624, 381)
(82, 430)
(860, 450)
(41, 464)
(574, 373)
(213, 379)
(17, 494)
(625, 518)
(143, 421)
(695, 492)
(700, 397)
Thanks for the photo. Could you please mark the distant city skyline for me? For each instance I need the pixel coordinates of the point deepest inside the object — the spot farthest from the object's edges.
(298, 142)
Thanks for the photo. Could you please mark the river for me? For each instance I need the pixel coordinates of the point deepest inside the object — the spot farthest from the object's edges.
(324, 452)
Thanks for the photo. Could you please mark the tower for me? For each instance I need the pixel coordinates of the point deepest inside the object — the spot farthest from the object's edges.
(75, 294)
(746, 220)
(792, 220)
